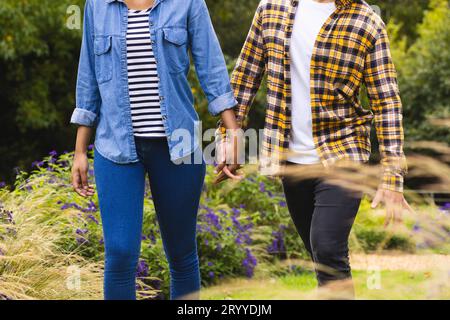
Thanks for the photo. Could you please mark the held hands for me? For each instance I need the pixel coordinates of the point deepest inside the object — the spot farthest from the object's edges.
(394, 203)
(80, 175)
(229, 151)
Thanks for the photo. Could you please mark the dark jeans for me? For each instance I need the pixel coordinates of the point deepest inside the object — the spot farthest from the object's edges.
(323, 215)
(176, 191)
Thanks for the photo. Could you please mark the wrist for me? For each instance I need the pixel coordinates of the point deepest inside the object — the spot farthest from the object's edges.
(80, 152)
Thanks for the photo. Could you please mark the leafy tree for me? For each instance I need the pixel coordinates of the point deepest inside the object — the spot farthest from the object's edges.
(406, 13)
(232, 20)
(424, 75)
(38, 60)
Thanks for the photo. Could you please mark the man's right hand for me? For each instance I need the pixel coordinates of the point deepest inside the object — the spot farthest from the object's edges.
(80, 170)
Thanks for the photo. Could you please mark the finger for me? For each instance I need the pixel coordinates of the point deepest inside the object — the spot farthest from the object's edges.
(220, 178)
(398, 214)
(388, 218)
(407, 206)
(90, 191)
(376, 201)
(398, 219)
(234, 169)
(220, 167)
(76, 183)
(230, 174)
(84, 180)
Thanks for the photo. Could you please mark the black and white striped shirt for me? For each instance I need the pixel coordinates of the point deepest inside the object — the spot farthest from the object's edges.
(143, 78)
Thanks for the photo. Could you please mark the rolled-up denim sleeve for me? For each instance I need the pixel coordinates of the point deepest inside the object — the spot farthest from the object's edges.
(209, 61)
(87, 93)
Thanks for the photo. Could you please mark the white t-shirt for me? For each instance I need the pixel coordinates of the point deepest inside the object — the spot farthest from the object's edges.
(309, 19)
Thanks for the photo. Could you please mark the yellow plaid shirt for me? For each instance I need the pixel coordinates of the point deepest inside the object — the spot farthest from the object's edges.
(352, 49)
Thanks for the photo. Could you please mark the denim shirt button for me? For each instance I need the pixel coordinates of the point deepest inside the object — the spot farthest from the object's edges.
(161, 98)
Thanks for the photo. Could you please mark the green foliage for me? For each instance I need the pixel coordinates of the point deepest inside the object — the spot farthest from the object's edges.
(424, 70)
(408, 13)
(232, 20)
(38, 63)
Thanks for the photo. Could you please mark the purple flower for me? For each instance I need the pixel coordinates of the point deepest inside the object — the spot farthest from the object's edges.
(262, 187)
(93, 219)
(282, 204)
(142, 269)
(211, 274)
(2, 184)
(8, 215)
(155, 284)
(53, 153)
(81, 232)
(91, 207)
(152, 237)
(213, 219)
(236, 212)
(81, 241)
(277, 246)
(223, 212)
(210, 264)
(90, 147)
(249, 263)
(66, 206)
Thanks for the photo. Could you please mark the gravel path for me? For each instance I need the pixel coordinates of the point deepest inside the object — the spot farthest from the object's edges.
(392, 262)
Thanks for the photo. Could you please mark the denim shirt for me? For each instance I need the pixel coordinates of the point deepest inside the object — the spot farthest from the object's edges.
(102, 96)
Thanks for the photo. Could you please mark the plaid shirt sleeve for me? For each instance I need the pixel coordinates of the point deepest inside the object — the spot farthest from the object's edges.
(381, 81)
(249, 71)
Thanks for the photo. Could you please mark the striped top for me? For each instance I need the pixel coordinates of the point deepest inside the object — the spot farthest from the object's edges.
(143, 77)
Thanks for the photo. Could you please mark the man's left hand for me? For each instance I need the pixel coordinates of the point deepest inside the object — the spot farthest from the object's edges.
(394, 203)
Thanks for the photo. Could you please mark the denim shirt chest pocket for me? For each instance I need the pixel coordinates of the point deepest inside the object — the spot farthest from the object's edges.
(103, 58)
(176, 47)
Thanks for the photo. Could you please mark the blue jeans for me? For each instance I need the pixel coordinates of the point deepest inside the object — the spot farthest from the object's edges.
(176, 191)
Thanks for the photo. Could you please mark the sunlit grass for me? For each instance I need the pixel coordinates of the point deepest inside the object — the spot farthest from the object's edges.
(393, 285)
(33, 265)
